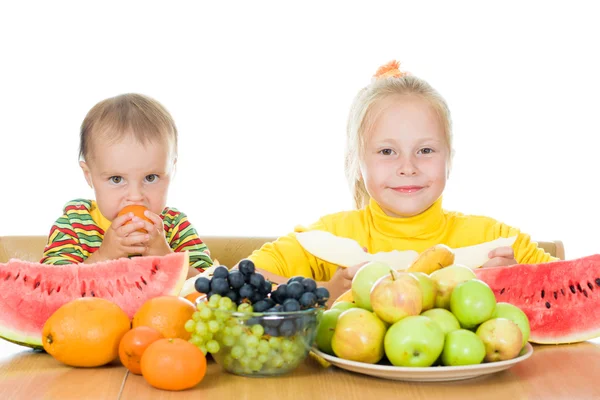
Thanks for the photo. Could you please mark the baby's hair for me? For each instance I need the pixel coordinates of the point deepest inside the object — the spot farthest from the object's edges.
(131, 113)
(387, 82)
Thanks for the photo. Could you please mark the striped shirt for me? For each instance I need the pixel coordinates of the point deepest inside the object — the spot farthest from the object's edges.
(80, 230)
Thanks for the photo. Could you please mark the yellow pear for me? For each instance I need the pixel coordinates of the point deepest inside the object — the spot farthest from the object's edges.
(432, 259)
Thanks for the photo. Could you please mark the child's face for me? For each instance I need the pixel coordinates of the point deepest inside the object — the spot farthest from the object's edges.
(128, 172)
(405, 161)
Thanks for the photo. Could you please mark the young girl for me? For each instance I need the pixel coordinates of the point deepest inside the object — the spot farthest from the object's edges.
(398, 157)
(128, 151)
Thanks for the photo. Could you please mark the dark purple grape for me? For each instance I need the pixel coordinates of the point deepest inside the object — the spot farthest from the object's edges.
(219, 286)
(232, 295)
(257, 280)
(271, 331)
(308, 300)
(246, 267)
(246, 291)
(280, 294)
(295, 290)
(291, 305)
(220, 272)
(298, 279)
(256, 297)
(322, 295)
(266, 288)
(261, 306)
(236, 279)
(287, 328)
(202, 285)
(309, 285)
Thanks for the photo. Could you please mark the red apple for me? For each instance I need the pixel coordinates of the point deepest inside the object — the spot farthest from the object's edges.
(395, 296)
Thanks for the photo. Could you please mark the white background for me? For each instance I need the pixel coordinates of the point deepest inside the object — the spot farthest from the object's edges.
(260, 92)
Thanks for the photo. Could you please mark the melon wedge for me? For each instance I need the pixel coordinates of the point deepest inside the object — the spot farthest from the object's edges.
(31, 292)
(560, 298)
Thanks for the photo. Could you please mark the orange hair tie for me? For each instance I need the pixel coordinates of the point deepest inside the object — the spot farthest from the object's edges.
(390, 70)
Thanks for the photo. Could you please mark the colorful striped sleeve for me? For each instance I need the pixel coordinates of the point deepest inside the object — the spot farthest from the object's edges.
(182, 236)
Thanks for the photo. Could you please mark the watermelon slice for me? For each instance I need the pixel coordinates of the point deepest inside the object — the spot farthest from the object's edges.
(560, 298)
(31, 292)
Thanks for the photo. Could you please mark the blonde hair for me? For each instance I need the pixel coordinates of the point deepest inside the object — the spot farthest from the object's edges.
(360, 119)
(131, 113)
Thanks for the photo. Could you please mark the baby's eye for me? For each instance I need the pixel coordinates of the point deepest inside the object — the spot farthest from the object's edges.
(151, 178)
(116, 179)
(386, 152)
(426, 150)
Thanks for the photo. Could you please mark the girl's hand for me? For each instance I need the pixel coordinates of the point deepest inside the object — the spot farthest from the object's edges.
(340, 282)
(121, 240)
(501, 256)
(155, 243)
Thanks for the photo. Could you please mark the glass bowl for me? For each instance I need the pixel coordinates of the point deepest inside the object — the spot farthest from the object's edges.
(264, 344)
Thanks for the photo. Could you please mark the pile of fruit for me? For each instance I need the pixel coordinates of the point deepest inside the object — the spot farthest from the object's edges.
(250, 329)
(442, 316)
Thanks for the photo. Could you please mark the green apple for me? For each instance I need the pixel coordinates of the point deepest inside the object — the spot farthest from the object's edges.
(395, 296)
(444, 318)
(428, 290)
(502, 339)
(472, 302)
(359, 336)
(446, 280)
(516, 315)
(326, 330)
(462, 347)
(363, 281)
(343, 305)
(414, 341)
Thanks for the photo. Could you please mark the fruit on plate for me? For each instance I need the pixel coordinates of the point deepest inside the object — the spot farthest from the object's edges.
(133, 344)
(166, 314)
(561, 298)
(428, 290)
(359, 336)
(31, 292)
(345, 297)
(364, 280)
(137, 211)
(395, 296)
(414, 341)
(516, 315)
(472, 302)
(173, 364)
(434, 258)
(85, 332)
(446, 280)
(444, 318)
(502, 339)
(326, 330)
(462, 347)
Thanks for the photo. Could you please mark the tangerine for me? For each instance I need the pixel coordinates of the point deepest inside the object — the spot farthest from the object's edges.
(85, 332)
(137, 211)
(166, 314)
(173, 364)
(133, 344)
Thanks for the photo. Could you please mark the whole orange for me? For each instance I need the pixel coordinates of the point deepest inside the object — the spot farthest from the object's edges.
(193, 297)
(133, 344)
(85, 332)
(173, 364)
(137, 211)
(166, 314)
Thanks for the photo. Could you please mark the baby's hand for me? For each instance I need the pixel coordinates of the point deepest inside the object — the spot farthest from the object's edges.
(156, 243)
(121, 240)
(501, 256)
(341, 282)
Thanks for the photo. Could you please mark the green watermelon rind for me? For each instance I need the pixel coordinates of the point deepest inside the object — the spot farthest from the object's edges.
(35, 342)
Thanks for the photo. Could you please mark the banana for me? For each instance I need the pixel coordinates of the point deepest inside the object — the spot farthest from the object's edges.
(432, 259)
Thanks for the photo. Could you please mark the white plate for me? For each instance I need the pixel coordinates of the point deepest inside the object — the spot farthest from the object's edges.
(428, 374)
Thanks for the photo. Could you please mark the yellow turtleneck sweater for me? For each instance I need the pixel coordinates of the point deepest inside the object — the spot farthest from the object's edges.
(376, 231)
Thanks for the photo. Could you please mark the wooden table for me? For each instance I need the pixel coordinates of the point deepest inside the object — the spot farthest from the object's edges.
(552, 372)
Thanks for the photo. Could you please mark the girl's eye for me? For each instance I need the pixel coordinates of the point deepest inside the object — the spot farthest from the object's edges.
(426, 150)
(116, 179)
(151, 178)
(386, 152)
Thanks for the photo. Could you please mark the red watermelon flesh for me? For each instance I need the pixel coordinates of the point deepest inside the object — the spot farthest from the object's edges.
(560, 298)
(31, 292)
